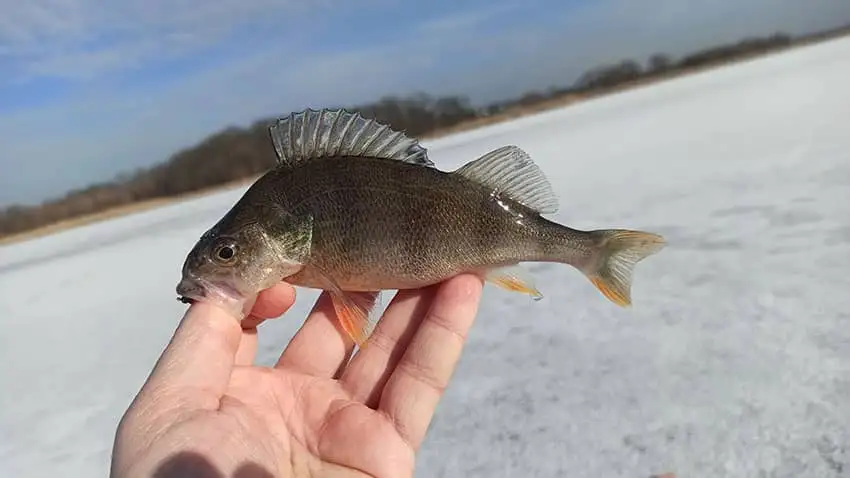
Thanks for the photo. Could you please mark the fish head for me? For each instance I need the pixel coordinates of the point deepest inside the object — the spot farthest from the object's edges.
(235, 260)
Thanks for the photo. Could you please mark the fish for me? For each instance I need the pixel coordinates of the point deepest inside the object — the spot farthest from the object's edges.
(355, 207)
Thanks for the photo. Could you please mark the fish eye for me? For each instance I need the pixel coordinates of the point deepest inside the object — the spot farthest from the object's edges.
(225, 253)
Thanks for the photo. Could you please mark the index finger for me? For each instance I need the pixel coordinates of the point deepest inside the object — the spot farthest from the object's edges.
(417, 384)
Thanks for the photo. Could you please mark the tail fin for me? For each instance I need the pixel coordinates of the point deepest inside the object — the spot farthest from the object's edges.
(618, 252)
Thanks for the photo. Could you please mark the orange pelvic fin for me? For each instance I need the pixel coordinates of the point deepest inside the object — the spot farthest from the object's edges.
(513, 278)
(355, 312)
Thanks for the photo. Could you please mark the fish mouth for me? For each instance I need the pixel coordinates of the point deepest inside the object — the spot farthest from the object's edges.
(193, 289)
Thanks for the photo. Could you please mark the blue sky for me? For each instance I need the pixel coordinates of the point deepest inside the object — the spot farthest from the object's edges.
(92, 88)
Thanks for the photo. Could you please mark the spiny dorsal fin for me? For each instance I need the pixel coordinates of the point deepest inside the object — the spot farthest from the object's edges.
(511, 171)
(312, 134)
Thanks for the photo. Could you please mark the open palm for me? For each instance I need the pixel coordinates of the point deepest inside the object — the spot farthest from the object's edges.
(207, 411)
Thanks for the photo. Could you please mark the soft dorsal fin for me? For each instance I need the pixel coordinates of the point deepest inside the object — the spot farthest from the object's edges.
(511, 171)
(312, 134)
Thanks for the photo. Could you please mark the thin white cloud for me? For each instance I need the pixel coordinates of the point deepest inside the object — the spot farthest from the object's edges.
(465, 20)
(85, 38)
(104, 131)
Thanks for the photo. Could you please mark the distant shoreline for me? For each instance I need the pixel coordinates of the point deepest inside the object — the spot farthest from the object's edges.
(509, 113)
(115, 212)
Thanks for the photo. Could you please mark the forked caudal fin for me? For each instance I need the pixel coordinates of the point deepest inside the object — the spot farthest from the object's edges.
(618, 252)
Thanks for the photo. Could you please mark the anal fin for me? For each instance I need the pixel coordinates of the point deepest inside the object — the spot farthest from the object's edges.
(514, 278)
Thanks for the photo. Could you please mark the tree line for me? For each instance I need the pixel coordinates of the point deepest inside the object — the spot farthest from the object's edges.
(240, 153)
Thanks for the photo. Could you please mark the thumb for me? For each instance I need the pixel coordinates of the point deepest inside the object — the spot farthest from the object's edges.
(197, 362)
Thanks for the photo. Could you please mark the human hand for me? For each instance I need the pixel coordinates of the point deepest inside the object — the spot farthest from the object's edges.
(207, 411)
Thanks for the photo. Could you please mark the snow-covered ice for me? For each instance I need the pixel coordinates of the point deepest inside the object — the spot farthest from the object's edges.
(734, 360)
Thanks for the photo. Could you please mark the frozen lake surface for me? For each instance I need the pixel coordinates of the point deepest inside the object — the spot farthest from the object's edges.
(734, 360)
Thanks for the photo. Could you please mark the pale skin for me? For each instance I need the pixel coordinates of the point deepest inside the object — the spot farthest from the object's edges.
(207, 411)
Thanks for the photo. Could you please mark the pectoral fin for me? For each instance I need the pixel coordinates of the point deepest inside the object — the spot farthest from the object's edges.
(514, 278)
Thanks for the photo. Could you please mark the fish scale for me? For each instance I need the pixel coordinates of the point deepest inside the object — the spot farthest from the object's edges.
(354, 206)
